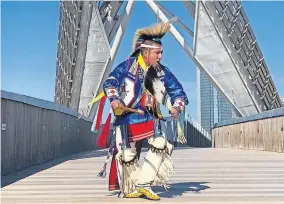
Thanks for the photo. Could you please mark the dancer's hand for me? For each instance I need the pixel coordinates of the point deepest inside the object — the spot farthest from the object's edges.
(175, 113)
(115, 104)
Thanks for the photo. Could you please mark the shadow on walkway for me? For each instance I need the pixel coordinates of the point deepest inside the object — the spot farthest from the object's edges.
(178, 189)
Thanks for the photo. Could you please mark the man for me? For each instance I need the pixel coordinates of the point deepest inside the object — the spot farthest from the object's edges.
(137, 116)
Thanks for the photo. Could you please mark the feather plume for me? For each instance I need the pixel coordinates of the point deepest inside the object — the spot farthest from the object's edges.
(155, 31)
(156, 87)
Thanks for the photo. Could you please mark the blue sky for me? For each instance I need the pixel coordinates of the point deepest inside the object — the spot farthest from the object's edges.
(30, 34)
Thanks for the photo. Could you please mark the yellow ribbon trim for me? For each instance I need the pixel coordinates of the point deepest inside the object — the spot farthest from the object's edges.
(96, 99)
(92, 102)
(142, 62)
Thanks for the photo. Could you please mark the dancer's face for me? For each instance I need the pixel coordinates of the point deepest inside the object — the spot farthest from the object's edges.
(154, 55)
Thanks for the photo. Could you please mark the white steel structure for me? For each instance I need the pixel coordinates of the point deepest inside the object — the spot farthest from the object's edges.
(225, 50)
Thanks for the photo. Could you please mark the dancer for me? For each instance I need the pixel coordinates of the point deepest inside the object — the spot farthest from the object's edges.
(136, 88)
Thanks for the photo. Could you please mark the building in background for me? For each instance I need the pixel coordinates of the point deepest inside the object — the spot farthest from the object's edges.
(224, 108)
(205, 95)
(212, 105)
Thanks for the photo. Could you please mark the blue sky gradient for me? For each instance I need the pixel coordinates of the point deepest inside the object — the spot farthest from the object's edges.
(30, 35)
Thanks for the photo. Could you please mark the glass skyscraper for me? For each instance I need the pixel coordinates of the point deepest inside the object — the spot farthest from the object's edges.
(212, 105)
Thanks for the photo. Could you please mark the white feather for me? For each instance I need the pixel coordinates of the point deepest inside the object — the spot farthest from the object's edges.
(160, 92)
(159, 89)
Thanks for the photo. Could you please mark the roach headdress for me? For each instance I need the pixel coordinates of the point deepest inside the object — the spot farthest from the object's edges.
(153, 33)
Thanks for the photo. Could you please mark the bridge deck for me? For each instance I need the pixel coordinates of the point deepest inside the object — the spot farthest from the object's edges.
(202, 176)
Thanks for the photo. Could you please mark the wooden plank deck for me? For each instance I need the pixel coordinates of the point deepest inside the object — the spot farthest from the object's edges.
(202, 176)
